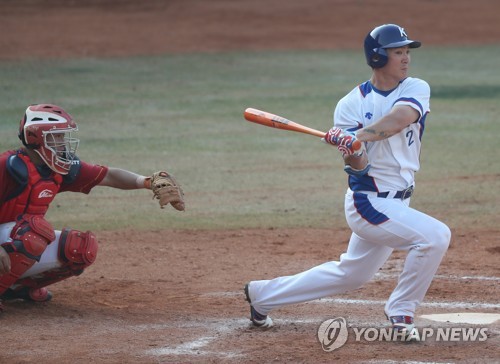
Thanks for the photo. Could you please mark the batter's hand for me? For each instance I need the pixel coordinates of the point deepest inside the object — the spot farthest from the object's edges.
(344, 140)
(346, 145)
(4, 262)
(334, 136)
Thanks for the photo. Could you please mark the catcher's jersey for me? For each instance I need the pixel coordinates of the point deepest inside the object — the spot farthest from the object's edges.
(84, 178)
(394, 160)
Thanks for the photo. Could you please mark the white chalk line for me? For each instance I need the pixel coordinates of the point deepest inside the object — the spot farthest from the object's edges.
(199, 346)
(223, 327)
(423, 304)
(230, 326)
(347, 301)
(383, 276)
(186, 348)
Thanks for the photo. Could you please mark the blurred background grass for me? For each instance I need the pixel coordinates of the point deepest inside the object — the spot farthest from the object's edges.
(184, 113)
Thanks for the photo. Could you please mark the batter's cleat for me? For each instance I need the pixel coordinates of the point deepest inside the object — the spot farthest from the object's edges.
(402, 324)
(28, 294)
(259, 320)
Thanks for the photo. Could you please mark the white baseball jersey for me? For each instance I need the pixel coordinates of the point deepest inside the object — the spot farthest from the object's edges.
(395, 160)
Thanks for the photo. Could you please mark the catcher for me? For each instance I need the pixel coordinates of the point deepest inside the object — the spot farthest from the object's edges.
(32, 254)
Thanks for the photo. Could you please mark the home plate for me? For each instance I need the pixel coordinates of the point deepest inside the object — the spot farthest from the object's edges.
(465, 318)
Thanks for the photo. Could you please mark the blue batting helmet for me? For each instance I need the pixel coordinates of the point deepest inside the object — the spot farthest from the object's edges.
(383, 37)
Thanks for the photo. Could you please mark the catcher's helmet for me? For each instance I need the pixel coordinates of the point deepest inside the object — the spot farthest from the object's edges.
(383, 37)
(47, 129)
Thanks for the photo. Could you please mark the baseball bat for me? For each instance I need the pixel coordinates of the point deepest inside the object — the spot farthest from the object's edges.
(275, 121)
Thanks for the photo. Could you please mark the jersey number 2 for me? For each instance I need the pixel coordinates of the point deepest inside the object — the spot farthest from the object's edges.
(409, 135)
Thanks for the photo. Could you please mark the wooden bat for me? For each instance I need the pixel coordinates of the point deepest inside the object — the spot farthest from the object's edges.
(275, 121)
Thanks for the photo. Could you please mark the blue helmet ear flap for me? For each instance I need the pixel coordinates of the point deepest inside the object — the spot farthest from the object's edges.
(378, 58)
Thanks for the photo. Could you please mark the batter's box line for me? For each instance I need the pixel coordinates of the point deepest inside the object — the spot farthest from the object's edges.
(423, 304)
(346, 301)
(198, 346)
(384, 276)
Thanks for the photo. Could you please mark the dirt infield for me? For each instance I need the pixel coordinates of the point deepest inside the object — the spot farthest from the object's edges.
(182, 302)
(96, 28)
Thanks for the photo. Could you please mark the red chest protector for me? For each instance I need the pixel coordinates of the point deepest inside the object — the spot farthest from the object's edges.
(34, 194)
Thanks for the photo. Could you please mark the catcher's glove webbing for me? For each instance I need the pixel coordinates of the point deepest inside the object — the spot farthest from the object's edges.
(166, 189)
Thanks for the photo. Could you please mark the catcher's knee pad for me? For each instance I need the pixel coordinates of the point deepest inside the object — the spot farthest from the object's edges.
(77, 250)
(28, 240)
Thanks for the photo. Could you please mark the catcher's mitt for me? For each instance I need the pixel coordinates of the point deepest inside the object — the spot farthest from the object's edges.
(166, 189)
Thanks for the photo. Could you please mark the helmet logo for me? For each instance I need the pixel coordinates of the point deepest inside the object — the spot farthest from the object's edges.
(402, 32)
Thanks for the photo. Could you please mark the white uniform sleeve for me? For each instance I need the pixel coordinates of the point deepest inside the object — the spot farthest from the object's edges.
(346, 115)
(415, 94)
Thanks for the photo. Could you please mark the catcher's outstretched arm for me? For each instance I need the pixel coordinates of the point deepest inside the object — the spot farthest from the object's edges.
(164, 186)
(123, 179)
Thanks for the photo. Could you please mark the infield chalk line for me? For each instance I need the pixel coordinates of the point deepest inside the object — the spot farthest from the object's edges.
(383, 276)
(347, 301)
(423, 304)
(201, 345)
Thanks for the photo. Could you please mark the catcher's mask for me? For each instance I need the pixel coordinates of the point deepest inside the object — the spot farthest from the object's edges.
(383, 37)
(47, 129)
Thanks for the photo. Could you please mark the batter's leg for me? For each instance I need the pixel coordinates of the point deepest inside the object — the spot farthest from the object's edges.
(356, 266)
(421, 264)
(404, 228)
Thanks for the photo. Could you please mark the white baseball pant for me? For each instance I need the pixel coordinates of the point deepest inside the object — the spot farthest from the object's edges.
(379, 226)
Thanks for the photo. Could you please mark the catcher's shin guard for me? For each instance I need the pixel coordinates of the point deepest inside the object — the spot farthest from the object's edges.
(28, 240)
(77, 250)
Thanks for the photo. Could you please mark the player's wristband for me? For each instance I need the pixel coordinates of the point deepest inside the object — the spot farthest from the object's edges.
(143, 182)
(356, 172)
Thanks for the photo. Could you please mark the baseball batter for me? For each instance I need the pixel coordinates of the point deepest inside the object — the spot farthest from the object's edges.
(388, 114)
(32, 254)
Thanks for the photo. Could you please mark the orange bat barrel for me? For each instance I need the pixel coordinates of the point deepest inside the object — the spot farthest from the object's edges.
(275, 121)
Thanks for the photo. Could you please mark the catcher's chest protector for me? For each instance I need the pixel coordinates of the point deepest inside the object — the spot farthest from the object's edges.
(34, 194)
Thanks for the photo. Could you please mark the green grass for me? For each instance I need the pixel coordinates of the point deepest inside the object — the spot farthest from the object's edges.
(184, 113)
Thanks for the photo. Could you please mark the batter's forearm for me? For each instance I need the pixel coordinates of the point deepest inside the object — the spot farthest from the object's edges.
(380, 130)
(398, 119)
